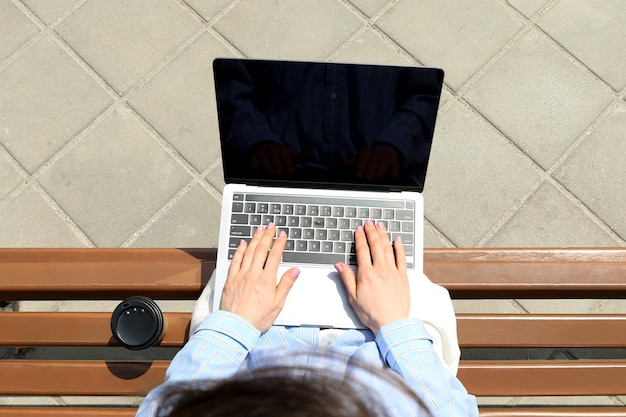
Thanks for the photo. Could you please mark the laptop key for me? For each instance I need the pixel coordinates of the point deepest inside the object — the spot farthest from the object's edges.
(237, 207)
(327, 246)
(243, 231)
(239, 219)
(249, 207)
(255, 219)
(340, 247)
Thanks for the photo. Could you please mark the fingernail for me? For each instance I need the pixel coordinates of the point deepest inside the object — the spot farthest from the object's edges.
(294, 273)
(282, 233)
(270, 225)
(242, 242)
(369, 222)
(359, 228)
(399, 239)
(380, 225)
(259, 229)
(338, 267)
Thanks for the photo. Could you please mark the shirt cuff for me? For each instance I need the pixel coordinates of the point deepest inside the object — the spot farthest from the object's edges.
(235, 332)
(401, 338)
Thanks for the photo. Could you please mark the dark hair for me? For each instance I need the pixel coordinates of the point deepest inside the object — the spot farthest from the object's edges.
(281, 391)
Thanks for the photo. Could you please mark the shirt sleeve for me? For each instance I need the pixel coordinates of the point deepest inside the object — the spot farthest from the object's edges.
(217, 349)
(407, 348)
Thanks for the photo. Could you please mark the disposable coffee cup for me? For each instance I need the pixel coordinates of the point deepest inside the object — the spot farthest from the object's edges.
(137, 323)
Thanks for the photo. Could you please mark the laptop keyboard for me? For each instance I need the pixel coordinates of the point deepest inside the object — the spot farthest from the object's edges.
(320, 230)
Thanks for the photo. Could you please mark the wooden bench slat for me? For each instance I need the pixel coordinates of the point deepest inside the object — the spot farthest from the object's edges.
(475, 330)
(178, 273)
(484, 412)
(541, 330)
(554, 412)
(544, 377)
(48, 274)
(483, 378)
(72, 377)
(66, 411)
(77, 329)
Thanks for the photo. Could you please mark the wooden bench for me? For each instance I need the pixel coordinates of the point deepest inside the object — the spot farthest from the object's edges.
(114, 274)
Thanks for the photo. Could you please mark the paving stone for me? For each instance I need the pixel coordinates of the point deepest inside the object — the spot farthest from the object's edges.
(486, 306)
(46, 100)
(546, 220)
(216, 178)
(28, 221)
(569, 401)
(9, 177)
(49, 11)
(117, 171)
(208, 9)
(371, 48)
(434, 239)
(475, 177)
(289, 30)
(369, 7)
(595, 172)
(547, 107)
(192, 222)
(564, 306)
(16, 28)
(528, 7)
(186, 117)
(594, 32)
(122, 41)
(457, 36)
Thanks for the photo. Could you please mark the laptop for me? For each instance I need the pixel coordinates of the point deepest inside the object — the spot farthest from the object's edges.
(319, 148)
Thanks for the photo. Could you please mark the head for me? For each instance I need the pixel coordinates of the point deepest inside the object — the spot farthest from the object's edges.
(283, 392)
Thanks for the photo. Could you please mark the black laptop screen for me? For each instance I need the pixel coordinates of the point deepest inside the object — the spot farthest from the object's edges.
(328, 125)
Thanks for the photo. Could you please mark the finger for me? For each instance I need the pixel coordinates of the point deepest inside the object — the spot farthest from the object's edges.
(250, 248)
(398, 248)
(262, 248)
(276, 253)
(386, 244)
(235, 263)
(363, 256)
(285, 284)
(347, 277)
(373, 239)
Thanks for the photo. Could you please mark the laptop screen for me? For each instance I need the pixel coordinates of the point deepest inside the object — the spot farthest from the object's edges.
(326, 125)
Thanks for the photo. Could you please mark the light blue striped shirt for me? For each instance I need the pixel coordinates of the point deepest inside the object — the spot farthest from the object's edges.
(225, 344)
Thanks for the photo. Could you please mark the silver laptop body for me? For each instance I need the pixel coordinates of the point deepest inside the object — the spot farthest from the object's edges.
(317, 149)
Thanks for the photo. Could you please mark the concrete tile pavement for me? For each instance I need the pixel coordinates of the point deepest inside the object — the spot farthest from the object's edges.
(108, 134)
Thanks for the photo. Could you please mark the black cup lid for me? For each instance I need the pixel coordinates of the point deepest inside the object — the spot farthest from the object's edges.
(137, 323)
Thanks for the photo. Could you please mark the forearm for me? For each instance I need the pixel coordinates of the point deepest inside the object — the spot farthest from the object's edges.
(217, 349)
(407, 348)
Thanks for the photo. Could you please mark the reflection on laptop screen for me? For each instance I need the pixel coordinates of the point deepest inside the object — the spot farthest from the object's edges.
(347, 126)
